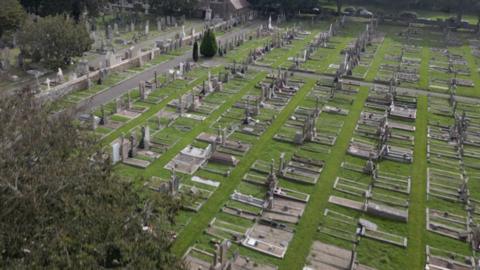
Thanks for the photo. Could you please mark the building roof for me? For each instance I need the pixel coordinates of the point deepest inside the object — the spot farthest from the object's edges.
(240, 4)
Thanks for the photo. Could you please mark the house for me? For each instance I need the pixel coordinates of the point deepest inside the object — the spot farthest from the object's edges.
(225, 9)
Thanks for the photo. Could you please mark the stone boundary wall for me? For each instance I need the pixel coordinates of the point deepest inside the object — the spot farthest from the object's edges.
(82, 81)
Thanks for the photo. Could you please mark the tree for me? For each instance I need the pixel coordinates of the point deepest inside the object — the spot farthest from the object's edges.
(53, 40)
(61, 205)
(12, 16)
(195, 51)
(56, 7)
(284, 6)
(339, 6)
(169, 7)
(209, 46)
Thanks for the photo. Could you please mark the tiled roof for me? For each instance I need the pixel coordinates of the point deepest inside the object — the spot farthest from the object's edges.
(240, 4)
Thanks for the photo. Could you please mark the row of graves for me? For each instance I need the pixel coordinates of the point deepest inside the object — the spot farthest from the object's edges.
(359, 53)
(256, 110)
(281, 43)
(313, 53)
(449, 65)
(403, 60)
(315, 129)
(110, 116)
(372, 188)
(123, 31)
(384, 132)
(453, 154)
(265, 208)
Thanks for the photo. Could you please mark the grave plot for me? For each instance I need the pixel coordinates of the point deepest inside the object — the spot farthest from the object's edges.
(402, 63)
(278, 204)
(446, 259)
(446, 66)
(446, 185)
(310, 58)
(220, 257)
(302, 126)
(355, 59)
(287, 42)
(190, 159)
(113, 115)
(326, 256)
(276, 195)
(140, 150)
(333, 90)
(403, 55)
(194, 192)
(277, 90)
(368, 189)
(384, 130)
(315, 128)
(350, 229)
(382, 179)
(256, 111)
(448, 224)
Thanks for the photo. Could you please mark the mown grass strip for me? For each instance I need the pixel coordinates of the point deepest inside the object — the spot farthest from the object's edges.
(416, 217)
(424, 68)
(300, 246)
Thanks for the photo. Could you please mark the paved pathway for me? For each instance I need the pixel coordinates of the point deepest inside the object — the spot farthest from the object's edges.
(370, 84)
(131, 83)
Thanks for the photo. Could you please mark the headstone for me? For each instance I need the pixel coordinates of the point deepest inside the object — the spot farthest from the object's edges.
(47, 82)
(109, 32)
(145, 137)
(147, 27)
(60, 77)
(208, 14)
(159, 25)
(116, 153)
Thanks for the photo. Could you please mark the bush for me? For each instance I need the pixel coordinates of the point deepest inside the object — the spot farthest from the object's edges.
(209, 44)
(195, 51)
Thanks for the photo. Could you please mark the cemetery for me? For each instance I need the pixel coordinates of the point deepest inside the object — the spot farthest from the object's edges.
(318, 142)
(228, 112)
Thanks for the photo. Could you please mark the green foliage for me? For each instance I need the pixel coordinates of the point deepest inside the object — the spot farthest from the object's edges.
(55, 7)
(195, 51)
(209, 46)
(54, 40)
(12, 16)
(287, 6)
(61, 206)
(169, 7)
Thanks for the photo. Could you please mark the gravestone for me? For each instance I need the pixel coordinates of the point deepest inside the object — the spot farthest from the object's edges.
(159, 25)
(109, 33)
(60, 77)
(145, 141)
